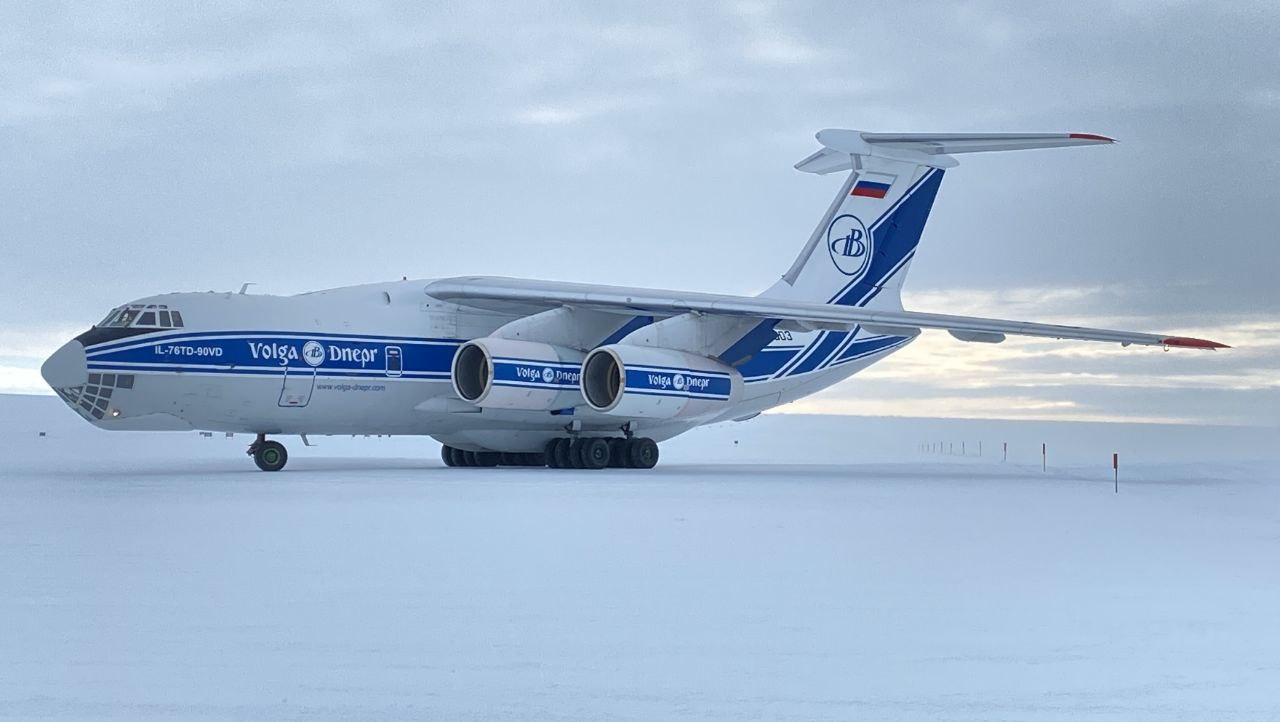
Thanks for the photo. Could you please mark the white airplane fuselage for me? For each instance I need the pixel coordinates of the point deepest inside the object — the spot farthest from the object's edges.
(369, 359)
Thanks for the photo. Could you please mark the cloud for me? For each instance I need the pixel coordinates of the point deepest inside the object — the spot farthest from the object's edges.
(1050, 379)
(149, 148)
(581, 109)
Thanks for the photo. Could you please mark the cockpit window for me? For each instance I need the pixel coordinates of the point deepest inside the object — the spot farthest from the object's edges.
(140, 316)
(126, 317)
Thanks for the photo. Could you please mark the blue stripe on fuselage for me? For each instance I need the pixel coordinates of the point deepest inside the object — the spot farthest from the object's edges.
(328, 353)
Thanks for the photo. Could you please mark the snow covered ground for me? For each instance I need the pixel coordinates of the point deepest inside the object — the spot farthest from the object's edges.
(163, 576)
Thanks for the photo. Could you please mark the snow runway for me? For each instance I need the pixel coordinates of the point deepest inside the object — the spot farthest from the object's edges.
(168, 579)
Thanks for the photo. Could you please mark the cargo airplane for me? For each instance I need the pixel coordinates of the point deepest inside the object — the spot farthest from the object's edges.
(518, 372)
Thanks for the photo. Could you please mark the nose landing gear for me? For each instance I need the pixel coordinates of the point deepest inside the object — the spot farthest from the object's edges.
(268, 455)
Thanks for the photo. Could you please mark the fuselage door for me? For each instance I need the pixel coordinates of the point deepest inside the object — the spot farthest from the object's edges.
(298, 385)
(300, 378)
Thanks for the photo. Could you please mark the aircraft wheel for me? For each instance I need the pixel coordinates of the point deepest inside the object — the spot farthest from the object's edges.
(468, 458)
(563, 447)
(575, 454)
(618, 453)
(549, 453)
(643, 453)
(270, 456)
(595, 453)
(446, 455)
(460, 458)
(487, 458)
(533, 458)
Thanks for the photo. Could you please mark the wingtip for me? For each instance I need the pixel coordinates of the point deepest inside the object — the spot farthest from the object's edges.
(1091, 136)
(1185, 342)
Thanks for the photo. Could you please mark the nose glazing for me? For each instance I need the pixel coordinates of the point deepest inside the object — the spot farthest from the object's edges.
(66, 367)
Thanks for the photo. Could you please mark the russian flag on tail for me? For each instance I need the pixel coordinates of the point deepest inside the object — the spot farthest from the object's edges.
(872, 185)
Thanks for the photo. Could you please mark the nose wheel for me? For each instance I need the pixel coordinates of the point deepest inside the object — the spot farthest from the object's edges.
(268, 455)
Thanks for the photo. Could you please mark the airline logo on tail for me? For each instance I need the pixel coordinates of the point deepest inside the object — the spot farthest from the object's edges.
(850, 245)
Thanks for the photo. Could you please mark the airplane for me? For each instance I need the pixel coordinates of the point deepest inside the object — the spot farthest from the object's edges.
(518, 372)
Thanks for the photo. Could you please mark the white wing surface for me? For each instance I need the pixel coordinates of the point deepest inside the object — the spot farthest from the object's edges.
(497, 292)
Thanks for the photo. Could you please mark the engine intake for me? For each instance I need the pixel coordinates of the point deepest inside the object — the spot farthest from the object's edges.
(656, 383)
(500, 373)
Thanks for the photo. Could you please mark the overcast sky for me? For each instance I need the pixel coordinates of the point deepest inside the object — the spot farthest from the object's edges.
(151, 147)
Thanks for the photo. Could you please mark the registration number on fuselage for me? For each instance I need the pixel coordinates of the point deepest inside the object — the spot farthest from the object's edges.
(183, 350)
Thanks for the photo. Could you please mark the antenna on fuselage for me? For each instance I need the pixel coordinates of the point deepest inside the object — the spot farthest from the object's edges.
(246, 286)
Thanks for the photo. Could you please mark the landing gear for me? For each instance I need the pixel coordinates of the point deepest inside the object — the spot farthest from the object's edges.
(579, 452)
(563, 455)
(642, 453)
(601, 452)
(268, 455)
(617, 453)
(457, 457)
(594, 453)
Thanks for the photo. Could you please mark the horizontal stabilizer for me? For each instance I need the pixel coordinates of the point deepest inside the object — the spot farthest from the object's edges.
(932, 149)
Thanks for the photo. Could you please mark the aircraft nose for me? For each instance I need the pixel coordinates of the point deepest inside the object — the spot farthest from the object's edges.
(66, 367)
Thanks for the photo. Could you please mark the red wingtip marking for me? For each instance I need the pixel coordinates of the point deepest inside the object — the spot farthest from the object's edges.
(1091, 136)
(1185, 342)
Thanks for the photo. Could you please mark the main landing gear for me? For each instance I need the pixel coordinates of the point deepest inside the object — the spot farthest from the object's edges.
(566, 453)
(268, 455)
(598, 453)
(457, 457)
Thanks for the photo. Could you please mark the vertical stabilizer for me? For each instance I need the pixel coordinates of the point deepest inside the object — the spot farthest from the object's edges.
(861, 250)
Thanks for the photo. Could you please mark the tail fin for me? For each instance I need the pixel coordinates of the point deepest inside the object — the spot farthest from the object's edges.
(860, 252)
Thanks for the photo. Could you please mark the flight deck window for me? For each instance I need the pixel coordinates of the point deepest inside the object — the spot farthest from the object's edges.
(164, 319)
(125, 318)
(148, 318)
(177, 319)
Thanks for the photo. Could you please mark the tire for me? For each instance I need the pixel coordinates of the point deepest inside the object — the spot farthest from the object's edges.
(468, 458)
(643, 453)
(506, 458)
(458, 455)
(595, 453)
(549, 454)
(618, 453)
(487, 458)
(270, 456)
(534, 459)
(575, 454)
(446, 455)
(562, 453)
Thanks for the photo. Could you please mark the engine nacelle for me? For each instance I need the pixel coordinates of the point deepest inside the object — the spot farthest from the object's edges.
(500, 373)
(657, 383)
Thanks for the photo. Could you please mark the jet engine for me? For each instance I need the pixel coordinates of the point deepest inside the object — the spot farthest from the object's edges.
(657, 383)
(500, 373)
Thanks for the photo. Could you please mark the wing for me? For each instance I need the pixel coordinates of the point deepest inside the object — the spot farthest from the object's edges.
(532, 296)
